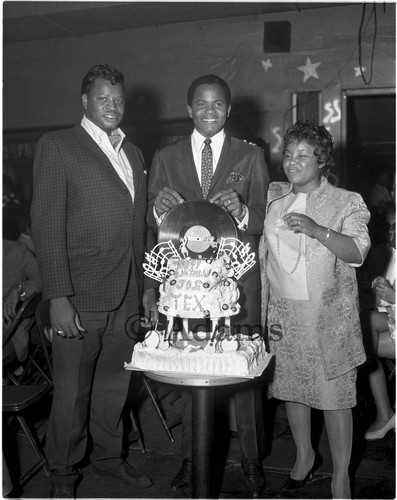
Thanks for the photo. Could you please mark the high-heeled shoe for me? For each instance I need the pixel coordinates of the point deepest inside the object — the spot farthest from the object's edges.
(381, 433)
(297, 484)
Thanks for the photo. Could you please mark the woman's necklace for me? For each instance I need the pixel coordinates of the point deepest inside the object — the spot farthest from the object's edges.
(278, 223)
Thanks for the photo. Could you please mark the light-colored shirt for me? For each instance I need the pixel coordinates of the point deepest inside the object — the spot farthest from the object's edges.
(197, 142)
(197, 148)
(286, 249)
(217, 141)
(116, 156)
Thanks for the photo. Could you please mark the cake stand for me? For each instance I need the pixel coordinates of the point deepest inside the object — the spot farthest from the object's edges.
(202, 388)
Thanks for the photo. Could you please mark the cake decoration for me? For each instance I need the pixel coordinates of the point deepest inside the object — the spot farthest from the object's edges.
(198, 262)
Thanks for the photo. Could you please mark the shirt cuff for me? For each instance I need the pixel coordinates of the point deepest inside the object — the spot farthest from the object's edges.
(158, 218)
(243, 224)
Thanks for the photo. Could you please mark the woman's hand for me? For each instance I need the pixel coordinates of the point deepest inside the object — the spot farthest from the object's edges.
(384, 290)
(341, 245)
(10, 302)
(300, 223)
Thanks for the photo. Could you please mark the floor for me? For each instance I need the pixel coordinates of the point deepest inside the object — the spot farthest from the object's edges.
(372, 465)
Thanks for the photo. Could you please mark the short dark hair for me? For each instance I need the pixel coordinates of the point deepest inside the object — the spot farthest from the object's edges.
(315, 135)
(209, 80)
(105, 71)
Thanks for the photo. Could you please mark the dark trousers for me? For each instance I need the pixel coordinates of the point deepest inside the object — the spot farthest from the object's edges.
(248, 397)
(90, 389)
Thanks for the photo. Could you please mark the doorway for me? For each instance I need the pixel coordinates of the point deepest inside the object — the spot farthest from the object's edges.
(369, 138)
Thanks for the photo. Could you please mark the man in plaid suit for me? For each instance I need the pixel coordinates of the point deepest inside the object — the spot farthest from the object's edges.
(88, 224)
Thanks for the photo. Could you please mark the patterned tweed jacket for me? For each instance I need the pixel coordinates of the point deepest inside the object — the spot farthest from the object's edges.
(331, 282)
(89, 236)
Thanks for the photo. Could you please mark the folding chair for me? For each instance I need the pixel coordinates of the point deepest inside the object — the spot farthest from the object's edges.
(45, 332)
(16, 400)
(19, 397)
(141, 381)
(25, 318)
(26, 311)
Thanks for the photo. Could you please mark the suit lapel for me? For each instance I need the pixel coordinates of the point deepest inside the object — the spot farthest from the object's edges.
(134, 161)
(224, 164)
(190, 166)
(89, 142)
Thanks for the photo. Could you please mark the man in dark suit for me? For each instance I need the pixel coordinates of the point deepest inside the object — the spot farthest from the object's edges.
(88, 223)
(238, 182)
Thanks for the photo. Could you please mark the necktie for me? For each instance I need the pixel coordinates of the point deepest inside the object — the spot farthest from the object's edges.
(206, 168)
(114, 140)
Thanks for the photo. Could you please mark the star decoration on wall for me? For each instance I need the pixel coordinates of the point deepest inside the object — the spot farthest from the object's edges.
(309, 69)
(359, 71)
(266, 64)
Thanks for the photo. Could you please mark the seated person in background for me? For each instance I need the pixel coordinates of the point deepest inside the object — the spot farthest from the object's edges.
(381, 193)
(9, 196)
(380, 335)
(24, 226)
(21, 278)
(381, 197)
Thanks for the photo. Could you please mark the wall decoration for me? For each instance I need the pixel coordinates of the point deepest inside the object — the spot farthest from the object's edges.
(309, 69)
(359, 71)
(266, 64)
(333, 110)
(277, 147)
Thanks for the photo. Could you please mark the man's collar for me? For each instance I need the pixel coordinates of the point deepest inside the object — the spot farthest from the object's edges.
(96, 132)
(199, 138)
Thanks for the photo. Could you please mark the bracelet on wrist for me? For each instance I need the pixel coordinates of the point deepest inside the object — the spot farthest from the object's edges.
(326, 236)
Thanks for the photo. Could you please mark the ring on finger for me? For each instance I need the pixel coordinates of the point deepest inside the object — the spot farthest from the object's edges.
(59, 332)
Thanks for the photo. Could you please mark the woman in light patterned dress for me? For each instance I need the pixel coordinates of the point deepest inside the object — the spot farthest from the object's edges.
(314, 236)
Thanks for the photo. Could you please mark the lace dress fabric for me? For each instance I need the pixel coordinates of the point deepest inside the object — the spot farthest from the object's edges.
(299, 371)
(317, 343)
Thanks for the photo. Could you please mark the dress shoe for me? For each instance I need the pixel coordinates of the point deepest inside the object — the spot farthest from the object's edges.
(64, 486)
(58, 491)
(119, 469)
(254, 479)
(297, 484)
(381, 433)
(184, 477)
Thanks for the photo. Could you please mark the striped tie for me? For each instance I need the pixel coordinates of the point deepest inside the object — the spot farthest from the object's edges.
(206, 168)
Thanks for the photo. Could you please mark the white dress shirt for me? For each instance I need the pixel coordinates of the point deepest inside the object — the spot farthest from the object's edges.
(197, 142)
(116, 155)
(198, 145)
(216, 145)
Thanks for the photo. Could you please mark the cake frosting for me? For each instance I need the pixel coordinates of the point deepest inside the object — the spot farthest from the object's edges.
(199, 288)
(227, 356)
(193, 289)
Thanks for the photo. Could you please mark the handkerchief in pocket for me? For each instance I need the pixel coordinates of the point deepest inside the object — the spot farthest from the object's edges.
(235, 176)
